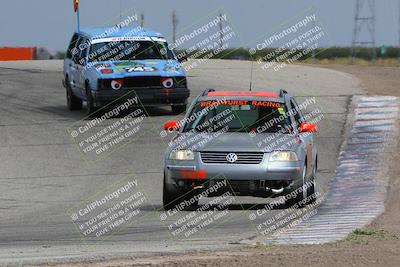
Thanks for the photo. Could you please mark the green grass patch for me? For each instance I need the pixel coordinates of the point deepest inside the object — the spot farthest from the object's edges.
(362, 235)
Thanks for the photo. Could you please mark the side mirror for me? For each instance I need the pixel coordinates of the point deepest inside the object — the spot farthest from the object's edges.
(171, 126)
(308, 127)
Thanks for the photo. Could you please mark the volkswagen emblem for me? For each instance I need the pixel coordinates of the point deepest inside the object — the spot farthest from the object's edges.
(231, 157)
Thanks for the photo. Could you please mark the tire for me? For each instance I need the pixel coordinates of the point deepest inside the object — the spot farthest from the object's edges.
(190, 195)
(90, 108)
(178, 109)
(171, 199)
(300, 196)
(73, 102)
(312, 189)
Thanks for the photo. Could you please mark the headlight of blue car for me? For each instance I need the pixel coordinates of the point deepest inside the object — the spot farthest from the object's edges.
(181, 155)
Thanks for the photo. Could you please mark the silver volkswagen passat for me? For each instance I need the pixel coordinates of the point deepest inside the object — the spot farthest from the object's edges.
(245, 142)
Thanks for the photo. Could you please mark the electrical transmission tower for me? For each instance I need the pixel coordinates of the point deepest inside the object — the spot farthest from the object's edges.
(174, 25)
(221, 35)
(120, 10)
(364, 18)
(141, 20)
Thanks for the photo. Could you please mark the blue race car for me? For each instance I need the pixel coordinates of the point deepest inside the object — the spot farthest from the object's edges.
(107, 65)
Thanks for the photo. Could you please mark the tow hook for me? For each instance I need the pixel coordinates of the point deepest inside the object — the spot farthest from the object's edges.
(198, 187)
(277, 191)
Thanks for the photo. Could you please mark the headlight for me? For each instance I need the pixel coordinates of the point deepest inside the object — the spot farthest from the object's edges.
(181, 155)
(283, 156)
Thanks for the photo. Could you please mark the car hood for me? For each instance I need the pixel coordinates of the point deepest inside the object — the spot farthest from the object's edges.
(234, 142)
(134, 68)
(150, 67)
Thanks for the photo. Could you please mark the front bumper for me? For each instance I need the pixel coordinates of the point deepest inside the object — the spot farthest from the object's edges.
(147, 96)
(244, 179)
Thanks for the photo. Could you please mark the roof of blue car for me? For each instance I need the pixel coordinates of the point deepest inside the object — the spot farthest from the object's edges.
(115, 32)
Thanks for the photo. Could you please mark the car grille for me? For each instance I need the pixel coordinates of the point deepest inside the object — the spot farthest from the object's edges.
(142, 81)
(243, 157)
(180, 82)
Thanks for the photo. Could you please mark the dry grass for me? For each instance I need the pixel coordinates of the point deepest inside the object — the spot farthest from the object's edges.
(388, 62)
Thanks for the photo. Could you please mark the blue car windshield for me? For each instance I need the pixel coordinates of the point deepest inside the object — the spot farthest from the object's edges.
(238, 116)
(129, 50)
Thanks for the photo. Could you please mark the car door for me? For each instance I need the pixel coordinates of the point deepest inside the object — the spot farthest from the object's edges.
(80, 70)
(76, 69)
(307, 139)
(68, 61)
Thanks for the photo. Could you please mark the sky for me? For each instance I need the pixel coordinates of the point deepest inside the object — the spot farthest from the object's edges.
(50, 23)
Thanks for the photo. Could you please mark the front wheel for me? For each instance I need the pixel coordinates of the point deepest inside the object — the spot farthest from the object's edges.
(169, 199)
(90, 108)
(297, 197)
(172, 199)
(312, 188)
(73, 102)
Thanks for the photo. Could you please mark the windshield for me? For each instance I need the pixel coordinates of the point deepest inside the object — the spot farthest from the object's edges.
(238, 116)
(129, 50)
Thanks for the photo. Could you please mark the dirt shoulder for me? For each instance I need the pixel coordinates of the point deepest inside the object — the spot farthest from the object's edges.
(378, 244)
(376, 80)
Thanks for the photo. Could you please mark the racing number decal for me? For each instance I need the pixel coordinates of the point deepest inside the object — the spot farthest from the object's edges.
(140, 69)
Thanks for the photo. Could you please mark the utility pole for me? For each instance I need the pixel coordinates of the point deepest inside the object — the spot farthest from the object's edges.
(313, 50)
(120, 10)
(174, 25)
(399, 29)
(221, 35)
(141, 20)
(76, 9)
(364, 18)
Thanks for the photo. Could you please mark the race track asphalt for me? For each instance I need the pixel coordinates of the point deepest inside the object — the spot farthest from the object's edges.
(43, 178)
